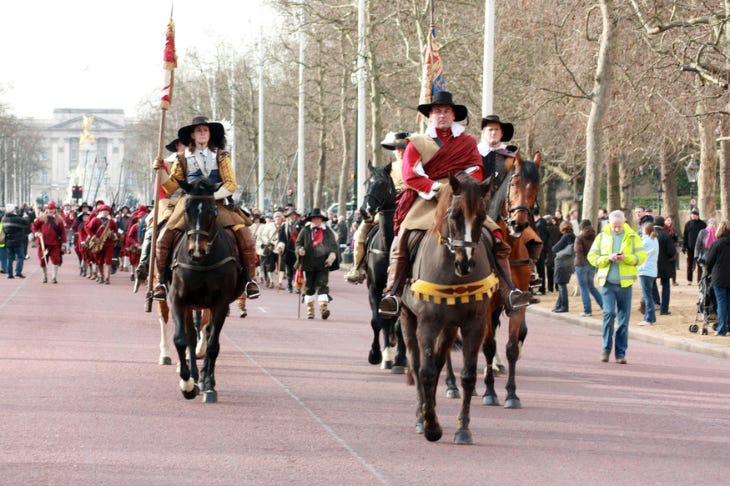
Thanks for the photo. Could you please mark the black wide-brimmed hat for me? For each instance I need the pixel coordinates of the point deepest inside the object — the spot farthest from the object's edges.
(317, 213)
(395, 140)
(508, 130)
(172, 146)
(217, 132)
(444, 98)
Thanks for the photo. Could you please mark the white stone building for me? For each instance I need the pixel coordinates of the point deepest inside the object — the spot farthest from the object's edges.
(97, 165)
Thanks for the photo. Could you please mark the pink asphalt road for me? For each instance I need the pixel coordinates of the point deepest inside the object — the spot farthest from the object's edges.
(86, 403)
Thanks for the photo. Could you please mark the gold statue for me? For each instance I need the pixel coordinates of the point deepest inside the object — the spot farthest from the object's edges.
(86, 135)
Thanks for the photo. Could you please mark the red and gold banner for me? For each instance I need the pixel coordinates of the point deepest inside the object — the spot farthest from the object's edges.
(169, 63)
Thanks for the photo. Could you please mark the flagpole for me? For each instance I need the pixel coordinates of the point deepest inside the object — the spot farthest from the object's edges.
(170, 63)
(488, 61)
(361, 166)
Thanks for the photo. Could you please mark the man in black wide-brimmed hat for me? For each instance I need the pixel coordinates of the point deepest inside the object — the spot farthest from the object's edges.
(317, 253)
(429, 158)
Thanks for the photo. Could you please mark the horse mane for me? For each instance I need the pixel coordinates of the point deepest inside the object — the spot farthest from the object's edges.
(530, 170)
(471, 192)
(445, 195)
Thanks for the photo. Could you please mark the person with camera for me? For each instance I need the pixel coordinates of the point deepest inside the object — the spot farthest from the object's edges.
(617, 252)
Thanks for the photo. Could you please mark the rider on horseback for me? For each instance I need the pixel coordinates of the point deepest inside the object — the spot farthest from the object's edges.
(495, 153)
(397, 143)
(203, 157)
(429, 158)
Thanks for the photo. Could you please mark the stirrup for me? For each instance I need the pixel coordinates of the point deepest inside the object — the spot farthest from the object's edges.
(252, 290)
(518, 299)
(389, 307)
(159, 293)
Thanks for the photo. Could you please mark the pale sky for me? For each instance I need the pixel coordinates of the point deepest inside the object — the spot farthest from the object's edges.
(108, 53)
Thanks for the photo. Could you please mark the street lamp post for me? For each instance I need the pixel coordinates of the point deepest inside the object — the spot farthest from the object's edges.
(692, 171)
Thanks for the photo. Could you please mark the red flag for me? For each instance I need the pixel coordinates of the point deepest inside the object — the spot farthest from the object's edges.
(432, 80)
(169, 64)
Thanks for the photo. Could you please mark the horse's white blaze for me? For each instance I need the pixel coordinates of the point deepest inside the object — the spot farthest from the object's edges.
(188, 385)
(467, 238)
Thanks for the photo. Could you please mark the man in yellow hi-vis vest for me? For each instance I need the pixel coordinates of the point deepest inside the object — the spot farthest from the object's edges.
(617, 253)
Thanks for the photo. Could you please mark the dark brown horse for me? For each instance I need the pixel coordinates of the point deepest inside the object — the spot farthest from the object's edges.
(449, 292)
(206, 274)
(511, 207)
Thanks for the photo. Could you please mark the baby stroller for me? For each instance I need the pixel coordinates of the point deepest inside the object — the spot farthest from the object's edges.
(706, 305)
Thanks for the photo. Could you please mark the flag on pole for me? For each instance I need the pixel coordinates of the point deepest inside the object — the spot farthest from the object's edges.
(169, 63)
(432, 80)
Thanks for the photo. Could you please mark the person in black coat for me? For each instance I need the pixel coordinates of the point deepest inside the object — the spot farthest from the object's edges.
(691, 230)
(554, 235)
(564, 256)
(542, 232)
(665, 263)
(16, 231)
(718, 262)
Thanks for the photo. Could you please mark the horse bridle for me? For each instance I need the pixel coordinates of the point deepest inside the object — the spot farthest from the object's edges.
(450, 243)
(514, 209)
(200, 232)
(380, 204)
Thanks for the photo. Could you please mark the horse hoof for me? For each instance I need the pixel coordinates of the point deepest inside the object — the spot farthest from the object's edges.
(419, 428)
(165, 360)
(189, 395)
(386, 365)
(490, 400)
(513, 403)
(453, 393)
(210, 396)
(374, 358)
(463, 437)
(433, 433)
(398, 370)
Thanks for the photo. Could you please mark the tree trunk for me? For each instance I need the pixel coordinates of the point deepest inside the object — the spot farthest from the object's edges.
(725, 167)
(613, 185)
(599, 103)
(626, 175)
(669, 187)
(345, 166)
(708, 163)
(321, 167)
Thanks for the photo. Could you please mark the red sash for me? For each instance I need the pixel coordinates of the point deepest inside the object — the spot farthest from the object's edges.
(457, 153)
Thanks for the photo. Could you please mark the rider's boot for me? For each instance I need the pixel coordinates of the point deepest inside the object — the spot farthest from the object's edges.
(144, 255)
(513, 298)
(162, 250)
(247, 248)
(390, 304)
(356, 274)
(323, 301)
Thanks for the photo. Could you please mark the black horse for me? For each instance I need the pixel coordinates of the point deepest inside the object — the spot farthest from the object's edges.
(206, 274)
(380, 199)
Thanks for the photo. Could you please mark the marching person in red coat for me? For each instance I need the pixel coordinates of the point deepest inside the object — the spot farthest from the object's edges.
(50, 231)
(81, 245)
(104, 236)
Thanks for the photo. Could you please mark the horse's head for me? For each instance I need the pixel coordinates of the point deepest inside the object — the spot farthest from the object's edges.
(459, 217)
(523, 185)
(379, 193)
(200, 215)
